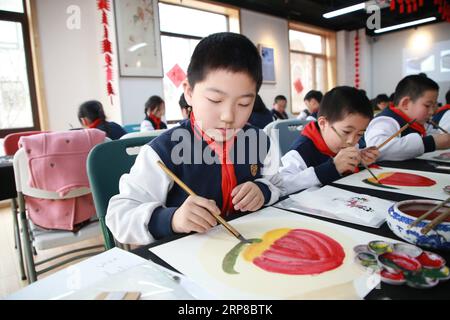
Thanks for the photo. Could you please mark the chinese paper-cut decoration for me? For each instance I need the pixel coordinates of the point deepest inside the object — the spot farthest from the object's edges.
(105, 6)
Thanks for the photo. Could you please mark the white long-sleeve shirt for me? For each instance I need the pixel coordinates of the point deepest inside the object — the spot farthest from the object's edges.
(400, 148)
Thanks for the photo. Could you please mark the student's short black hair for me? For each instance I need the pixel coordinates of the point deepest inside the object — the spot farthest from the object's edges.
(278, 98)
(381, 98)
(413, 86)
(152, 103)
(339, 102)
(91, 110)
(225, 50)
(392, 97)
(314, 94)
(447, 97)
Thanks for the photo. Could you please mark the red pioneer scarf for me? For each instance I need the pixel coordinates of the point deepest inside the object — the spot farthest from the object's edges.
(222, 150)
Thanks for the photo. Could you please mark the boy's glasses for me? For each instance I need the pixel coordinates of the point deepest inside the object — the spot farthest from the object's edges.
(342, 137)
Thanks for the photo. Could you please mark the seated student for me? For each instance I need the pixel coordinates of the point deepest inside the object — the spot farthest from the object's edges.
(381, 101)
(279, 108)
(224, 76)
(154, 111)
(261, 116)
(415, 98)
(92, 115)
(185, 107)
(442, 114)
(327, 149)
(312, 101)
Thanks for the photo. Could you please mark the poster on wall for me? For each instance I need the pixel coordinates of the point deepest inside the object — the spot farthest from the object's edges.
(268, 63)
(138, 38)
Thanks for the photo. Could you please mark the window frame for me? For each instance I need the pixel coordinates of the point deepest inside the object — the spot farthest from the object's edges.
(22, 18)
(187, 36)
(328, 54)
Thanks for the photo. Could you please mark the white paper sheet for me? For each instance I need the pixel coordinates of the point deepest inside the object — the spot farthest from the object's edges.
(435, 191)
(200, 256)
(339, 204)
(439, 156)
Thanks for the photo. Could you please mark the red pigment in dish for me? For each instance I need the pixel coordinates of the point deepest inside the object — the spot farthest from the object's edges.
(392, 276)
(302, 252)
(430, 260)
(409, 210)
(403, 261)
(406, 180)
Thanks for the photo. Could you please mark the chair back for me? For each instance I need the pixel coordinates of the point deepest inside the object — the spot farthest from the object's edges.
(11, 142)
(106, 163)
(151, 133)
(132, 127)
(288, 131)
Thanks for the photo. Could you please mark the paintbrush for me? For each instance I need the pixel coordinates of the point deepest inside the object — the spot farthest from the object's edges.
(348, 145)
(426, 214)
(436, 221)
(189, 191)
(396, 134)
(434, 124)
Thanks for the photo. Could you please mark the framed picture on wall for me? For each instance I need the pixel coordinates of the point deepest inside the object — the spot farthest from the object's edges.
(138, 38)
(268, 63)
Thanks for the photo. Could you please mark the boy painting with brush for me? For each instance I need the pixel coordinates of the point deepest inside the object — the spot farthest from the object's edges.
(415, 98)
(210, 152)
(327, 148)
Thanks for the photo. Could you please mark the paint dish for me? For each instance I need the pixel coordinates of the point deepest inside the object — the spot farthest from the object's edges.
(420, 282)
(408, 249)
(405, 264)
(442, 274)
(360, 248)
(367, 259)
(402, 214)
(395, 262)
(431, 260)
(447, 189)
(380, 247)
(395, 278)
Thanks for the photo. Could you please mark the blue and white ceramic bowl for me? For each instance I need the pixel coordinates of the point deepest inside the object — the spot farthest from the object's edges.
(398, 221)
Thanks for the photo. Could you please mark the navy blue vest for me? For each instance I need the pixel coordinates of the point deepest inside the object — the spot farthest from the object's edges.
(323, 164)
(113, 130)
(438, 116)
(204, 179)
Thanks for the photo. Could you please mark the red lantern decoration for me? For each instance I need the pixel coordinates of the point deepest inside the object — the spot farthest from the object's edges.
(106, 46)
(356, 81)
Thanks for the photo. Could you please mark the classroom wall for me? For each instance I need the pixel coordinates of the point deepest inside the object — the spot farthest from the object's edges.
(345, 43)
(255, 26)
(71, 61)
(382, 57)
(388, 55)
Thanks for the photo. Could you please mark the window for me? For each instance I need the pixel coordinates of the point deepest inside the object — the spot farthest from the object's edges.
(310, 64)
(18, 107)
(178, 41)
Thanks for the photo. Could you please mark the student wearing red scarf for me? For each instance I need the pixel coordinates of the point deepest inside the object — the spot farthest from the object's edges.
(442, 115)
(327, 148)
(92, 115)
(155, 109)
(224, 76)
(415, 98)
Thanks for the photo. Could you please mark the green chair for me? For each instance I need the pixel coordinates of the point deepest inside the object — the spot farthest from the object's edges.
(106, 163)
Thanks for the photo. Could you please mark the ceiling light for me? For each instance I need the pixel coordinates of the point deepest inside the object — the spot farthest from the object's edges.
(404, 25)
(345, 10)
